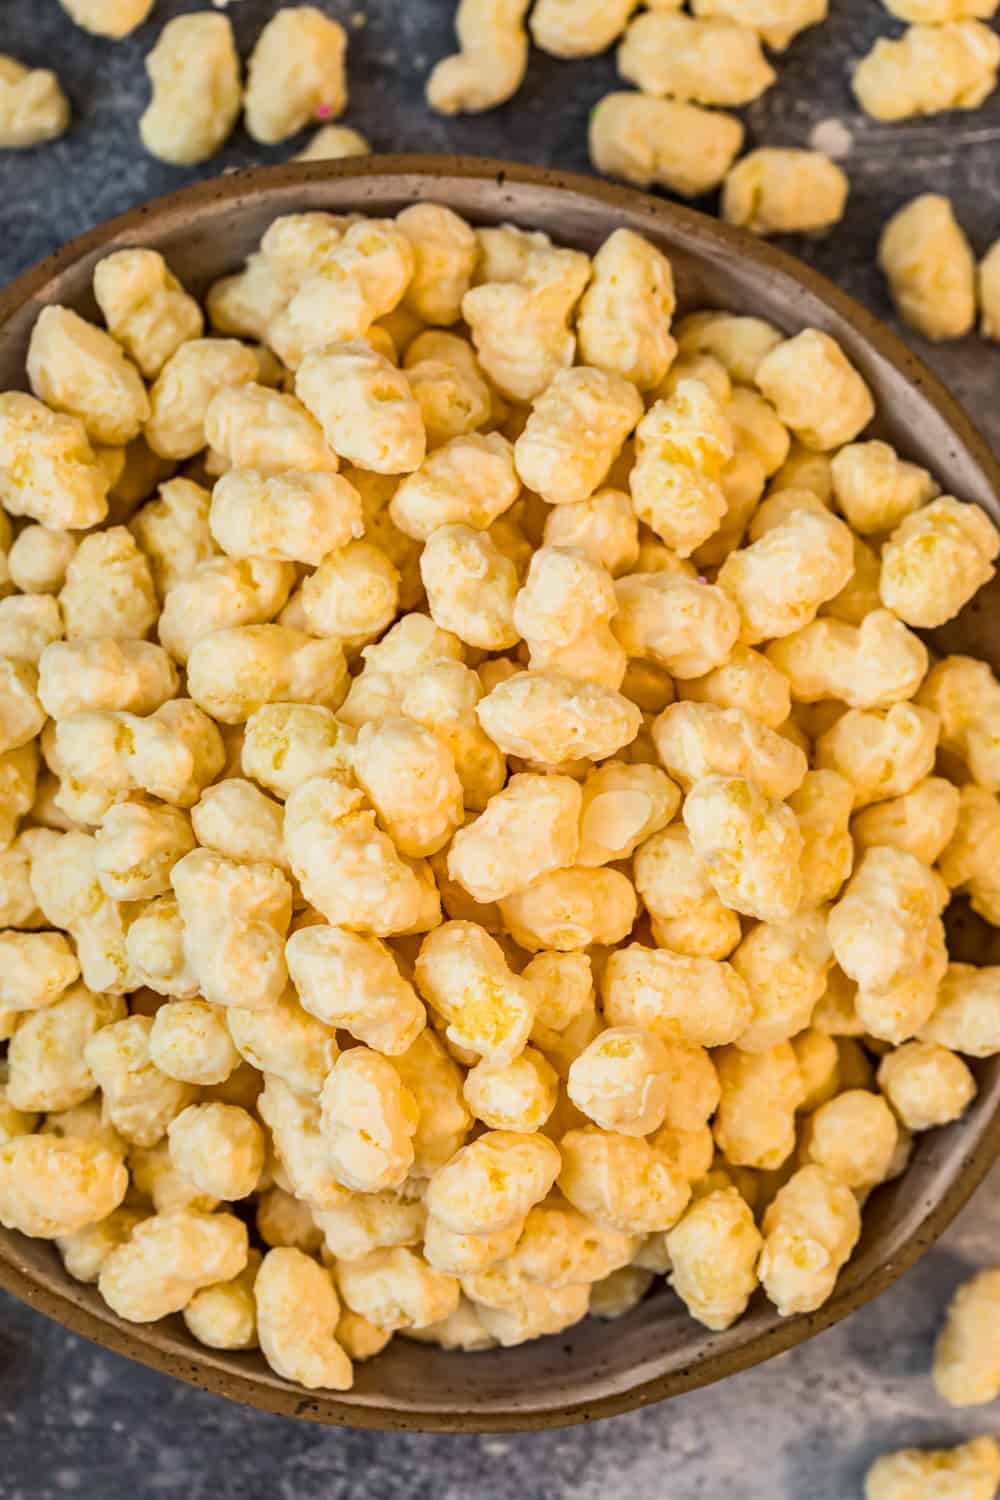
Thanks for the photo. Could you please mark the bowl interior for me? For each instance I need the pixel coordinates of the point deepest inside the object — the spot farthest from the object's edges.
(595, 1369)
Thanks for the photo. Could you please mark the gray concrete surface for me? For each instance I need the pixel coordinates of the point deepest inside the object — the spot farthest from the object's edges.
(77, 1421)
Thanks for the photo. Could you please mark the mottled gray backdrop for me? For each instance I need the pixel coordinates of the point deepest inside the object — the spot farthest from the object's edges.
(76, 1421)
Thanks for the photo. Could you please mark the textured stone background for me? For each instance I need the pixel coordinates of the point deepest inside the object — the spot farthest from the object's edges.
(75, 1420)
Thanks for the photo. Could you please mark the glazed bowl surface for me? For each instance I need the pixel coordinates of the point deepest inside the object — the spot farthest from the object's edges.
(595, 1369)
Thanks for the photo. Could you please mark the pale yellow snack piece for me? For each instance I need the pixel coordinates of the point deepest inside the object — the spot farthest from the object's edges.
(38, 559)
(815, 390)
(296, 74)
(621, 1181)
(687, 916)
(779, 190)
(333, 143)
(527, 829)
(397, 1289)
(287, 743)
(518, 1096)
(703, 59)
(232, 673)
(563, 611)
(33, 107)
(218, 1148)
(578, 28)
(79, 369)
(445, 377)
(685, 626)
(224, 1316)
(409, 776)
(623, 322)
(66, 886)
(738, 343)
(139, 1100)
(778, 21)
(822, 805)
(154, 950)
(112, 18)
(436, 1082)
(875, 488)
(237, 819)
(967, 1015)
(604, 529)
(468, 1254)
(965, 696)
(187, 384)
(714, 1252)
(622, 807)
(471, 586)
(746, 680)
(445, 253)
(48, 471)
(988, 292)
(785, 969)
(967, 1355)
(103, 757)
(173, 532)
(968, 1472)
(461, 1329)
(293, 1120)
(751, 847)
(779, 582)
(84, 1251)
(190, 1041)
(145, 307)
(760, 1093)
(572, 908)
(575, 432)
(21, 714)
(544, 716)
(936, 560)
(36, 968)
(884, 753)
(235, 918)
(368, 1119)
(194, 70)
(51, 1187)
(469, 481)
(621, 1080)
(130, 676)
(349, 869)
(493, 1182)
(881, 925)
(969, 860)
(463, 975)
(47, 1069)
(695, 740)
(872, 666)
(810, 1229)
(560, 1247)
(930, 267)
(370, 1221)
(167, 1259)
(292, 517)
(18, 907)
(519, 310)
(923, 822)
(352, 982)
(109, 589)
(694, 1001)
(818, 1057)
(853, 1137)
(926, 1084)
(364, 406)
(663, 143)
(284, 1220)
(526, 1311)
(682, 446)
(137, 845)
(490, 65)
(927, 70)
(285, 1042)
(617, 1294)
(222, 594)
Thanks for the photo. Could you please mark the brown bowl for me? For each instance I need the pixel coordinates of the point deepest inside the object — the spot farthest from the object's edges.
(596, 1369)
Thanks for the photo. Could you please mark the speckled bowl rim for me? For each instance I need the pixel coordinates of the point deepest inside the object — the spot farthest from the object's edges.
(167, 1347)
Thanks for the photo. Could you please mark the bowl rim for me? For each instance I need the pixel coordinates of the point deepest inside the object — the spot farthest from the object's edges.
(60, 1299)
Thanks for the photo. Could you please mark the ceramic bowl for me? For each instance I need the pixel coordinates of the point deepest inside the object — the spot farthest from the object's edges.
(596, 1369)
